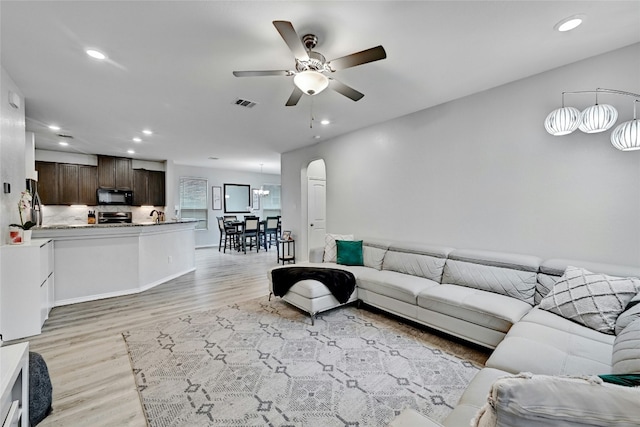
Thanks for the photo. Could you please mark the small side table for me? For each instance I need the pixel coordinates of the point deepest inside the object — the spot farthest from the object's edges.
(286, 251)
(14, 384)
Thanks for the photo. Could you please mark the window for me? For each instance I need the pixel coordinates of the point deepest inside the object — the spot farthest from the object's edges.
(193, 200)
(271, 200)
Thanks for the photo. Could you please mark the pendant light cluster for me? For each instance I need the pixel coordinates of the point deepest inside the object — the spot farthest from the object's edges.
(595, 119)
(262, 192)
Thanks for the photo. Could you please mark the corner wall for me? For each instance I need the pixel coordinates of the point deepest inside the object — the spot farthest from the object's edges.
(481, 172)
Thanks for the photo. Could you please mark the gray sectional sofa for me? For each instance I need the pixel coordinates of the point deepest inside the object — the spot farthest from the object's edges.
(491, 299)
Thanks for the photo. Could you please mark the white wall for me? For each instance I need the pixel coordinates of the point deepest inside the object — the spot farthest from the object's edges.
(481, 172)
(217, 177)
(12, 170)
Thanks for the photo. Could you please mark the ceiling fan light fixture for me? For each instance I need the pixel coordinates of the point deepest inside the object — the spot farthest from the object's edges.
(311, 82)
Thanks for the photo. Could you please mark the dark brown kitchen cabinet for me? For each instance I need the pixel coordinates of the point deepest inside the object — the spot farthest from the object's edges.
(87, 185)
(47, 182)
(156, 188)
(140, 187)
(115, 172)
(67, 184)
(148, 187)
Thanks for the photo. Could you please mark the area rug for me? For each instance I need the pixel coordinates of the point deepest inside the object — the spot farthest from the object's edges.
(261, 363)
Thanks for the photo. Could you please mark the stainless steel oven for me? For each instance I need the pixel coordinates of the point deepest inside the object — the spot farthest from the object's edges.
(114, 217)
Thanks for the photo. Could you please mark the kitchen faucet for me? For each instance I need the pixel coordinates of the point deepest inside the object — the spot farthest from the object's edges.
(158, 213)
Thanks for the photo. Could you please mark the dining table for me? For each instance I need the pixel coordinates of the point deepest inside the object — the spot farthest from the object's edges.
(239, 225)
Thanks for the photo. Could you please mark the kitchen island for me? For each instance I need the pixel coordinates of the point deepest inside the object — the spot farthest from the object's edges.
(96, 261)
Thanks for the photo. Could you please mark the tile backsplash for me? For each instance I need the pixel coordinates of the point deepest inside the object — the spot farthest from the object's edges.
(56, 215)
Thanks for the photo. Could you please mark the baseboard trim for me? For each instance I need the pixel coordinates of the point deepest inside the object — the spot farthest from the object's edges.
(122, 292)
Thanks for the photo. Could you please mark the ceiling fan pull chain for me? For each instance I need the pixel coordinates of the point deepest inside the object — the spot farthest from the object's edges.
(311, 115)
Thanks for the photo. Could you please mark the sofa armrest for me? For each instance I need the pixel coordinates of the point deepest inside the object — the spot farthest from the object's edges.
(316, 254)
(412, 418)
(543, 400)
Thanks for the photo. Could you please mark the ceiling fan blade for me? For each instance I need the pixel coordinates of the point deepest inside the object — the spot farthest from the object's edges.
(295, 97)
(291, 38)
(345, 90)
(374, 54)
(262, 73)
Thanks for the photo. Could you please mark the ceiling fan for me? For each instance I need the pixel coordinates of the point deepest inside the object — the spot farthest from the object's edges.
(312, 70)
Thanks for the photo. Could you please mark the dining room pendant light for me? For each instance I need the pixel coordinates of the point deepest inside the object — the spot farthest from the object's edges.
(626, 137)
(562, 121)
(598, 118)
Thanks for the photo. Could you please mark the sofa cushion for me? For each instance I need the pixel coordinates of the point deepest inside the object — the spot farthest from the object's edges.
(349, 252)
(373, 257)
(330, 247)
(517, 284)
(545, 343)
(416, 260)
(534, 401)
(591, 299)
(630, 313)
(473, 398)
(403, 287)
(626, 350)
(487, 309)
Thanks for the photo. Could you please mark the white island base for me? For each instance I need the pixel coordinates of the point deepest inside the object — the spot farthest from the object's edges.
(104, 261)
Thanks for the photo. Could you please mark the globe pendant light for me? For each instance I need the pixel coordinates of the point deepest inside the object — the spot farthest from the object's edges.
(311, 82)
(626, 137)
(562, 121)
(598, 118)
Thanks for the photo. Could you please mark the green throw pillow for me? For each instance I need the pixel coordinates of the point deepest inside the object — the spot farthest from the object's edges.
(629, 380)
(349, 252)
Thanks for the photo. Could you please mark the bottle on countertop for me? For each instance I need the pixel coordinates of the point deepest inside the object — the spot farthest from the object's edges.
(91, 217)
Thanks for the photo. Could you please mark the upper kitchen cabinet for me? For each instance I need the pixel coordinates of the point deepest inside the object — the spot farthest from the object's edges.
(47, 182)
(115, 172)
(140, 187)
(156, 188)
(67, 184)
(87, 185)
(148, 187)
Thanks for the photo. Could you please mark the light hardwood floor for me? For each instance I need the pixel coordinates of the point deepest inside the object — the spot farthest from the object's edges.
(86, 355)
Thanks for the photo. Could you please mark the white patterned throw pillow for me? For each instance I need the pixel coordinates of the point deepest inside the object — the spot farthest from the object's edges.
(330, 247)
(591, 299)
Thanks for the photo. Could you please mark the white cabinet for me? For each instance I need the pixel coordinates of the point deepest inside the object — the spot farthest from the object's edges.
(27, 284)
(14, 385)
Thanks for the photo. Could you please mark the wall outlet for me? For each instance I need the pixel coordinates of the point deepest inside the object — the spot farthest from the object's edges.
(169, 259)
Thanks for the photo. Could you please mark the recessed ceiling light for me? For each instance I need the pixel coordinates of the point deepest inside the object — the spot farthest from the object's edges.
(131, 152)
(147, 132)
(136, 139)
(316, 136)
(63, 143)
(95, 54)
(54, 127)
(568, 24)
(325, 122)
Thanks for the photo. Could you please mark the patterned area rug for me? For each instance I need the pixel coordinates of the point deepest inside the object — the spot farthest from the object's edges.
(261, 363)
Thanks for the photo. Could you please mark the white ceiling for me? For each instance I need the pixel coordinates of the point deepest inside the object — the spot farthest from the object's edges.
(170, 67)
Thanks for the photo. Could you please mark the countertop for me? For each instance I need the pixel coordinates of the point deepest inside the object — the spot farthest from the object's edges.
(133, 224)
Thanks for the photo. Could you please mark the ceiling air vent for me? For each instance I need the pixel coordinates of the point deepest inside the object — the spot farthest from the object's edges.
(245, 103)
(62, 135)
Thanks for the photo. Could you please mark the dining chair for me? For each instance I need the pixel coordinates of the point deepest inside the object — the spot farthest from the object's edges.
(271, 231)
(228, 235)
(250, 231)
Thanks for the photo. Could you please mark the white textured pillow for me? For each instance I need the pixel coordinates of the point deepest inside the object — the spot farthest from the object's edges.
(330, 248)
(591, 299)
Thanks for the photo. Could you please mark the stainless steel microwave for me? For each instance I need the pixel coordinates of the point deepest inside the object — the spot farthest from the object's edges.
(107, 196)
